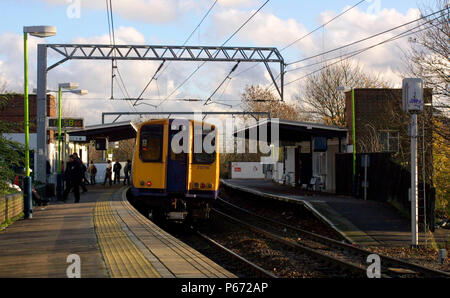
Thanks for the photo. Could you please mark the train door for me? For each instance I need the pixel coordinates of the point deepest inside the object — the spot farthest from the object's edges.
(177, 162)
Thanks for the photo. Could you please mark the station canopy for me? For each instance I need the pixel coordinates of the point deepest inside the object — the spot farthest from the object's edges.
(296, 131)
(113, 131)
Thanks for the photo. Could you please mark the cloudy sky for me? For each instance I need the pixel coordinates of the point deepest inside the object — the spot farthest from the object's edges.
(169, 22)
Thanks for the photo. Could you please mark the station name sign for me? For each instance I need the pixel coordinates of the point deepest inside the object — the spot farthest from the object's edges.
(66, 123)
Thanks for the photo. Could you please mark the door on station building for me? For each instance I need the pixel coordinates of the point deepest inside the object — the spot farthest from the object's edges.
(305, 167)
(177, 163)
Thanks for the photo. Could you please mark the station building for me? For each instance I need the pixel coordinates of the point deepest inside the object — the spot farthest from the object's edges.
(12, 112)
(307, 153)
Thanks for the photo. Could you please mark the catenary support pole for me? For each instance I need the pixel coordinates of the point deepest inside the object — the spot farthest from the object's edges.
(354, 143)
(27, 182)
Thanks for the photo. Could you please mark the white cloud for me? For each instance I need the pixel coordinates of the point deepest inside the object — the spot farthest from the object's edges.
(238, 3)
(264, 30)
(147, 11)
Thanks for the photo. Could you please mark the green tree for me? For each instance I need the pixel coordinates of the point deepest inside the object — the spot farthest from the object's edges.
(11, 158)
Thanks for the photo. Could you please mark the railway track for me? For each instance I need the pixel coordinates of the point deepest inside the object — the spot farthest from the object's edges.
(230, 258)
(333, 252)
(219, 253)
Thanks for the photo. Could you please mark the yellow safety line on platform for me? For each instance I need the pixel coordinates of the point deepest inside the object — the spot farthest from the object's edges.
(121, 255)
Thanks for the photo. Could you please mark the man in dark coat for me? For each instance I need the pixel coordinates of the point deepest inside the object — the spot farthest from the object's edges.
(127, 173)
(73, 178)
(83, 171)
(116, 169)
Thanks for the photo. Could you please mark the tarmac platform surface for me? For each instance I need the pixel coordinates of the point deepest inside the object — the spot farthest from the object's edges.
(360, 222)
(111, 238)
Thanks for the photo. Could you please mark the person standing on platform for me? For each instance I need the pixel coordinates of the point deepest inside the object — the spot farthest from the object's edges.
(117, 167)
(73, 179)
(83, 171)
(127, 173)
(108, 173)
(92, 172)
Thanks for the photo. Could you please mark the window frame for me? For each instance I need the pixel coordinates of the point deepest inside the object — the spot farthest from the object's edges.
(204, 134)
(161, 132)
(389, 137)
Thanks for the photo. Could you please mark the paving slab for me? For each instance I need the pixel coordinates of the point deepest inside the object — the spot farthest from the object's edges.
(110, 236)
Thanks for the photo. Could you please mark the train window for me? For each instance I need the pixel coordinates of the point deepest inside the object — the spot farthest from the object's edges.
(151, 143)
(205, 157)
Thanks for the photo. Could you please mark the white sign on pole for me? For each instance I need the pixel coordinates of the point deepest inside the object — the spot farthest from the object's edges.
(412, 95)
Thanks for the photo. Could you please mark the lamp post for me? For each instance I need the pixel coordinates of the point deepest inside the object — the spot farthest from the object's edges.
(341, 88)
(42, 32)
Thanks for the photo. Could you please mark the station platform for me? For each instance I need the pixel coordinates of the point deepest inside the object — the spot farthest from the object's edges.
(111, 238)
(365, 223)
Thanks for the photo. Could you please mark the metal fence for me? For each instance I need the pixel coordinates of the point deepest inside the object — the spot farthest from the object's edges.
(387, 181)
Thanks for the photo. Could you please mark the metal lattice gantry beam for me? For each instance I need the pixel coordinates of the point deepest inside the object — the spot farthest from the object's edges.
(137, 52)
(169, 53)
(120, 114)
(172, 53)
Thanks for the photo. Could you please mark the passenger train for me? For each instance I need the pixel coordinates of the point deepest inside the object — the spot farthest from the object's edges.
(175, 170)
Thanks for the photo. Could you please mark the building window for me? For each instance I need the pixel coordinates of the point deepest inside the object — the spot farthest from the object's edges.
(389, 140)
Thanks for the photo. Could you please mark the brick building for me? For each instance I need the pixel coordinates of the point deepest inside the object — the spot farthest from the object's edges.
(12, 111)
(382, 126)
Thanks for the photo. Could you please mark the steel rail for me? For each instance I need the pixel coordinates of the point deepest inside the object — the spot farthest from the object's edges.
(324, 257)
(385, 260)
(257, 269)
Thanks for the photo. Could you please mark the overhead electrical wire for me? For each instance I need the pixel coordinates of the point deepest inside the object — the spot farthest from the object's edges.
(360, 51)
(202, 64)
(306, 35)
(155, 77)
(192, 33)
(148, 84)
(364, 39)
(114, 66)
(209, 100)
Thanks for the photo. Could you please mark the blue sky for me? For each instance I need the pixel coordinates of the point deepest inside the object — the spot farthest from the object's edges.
(171, 21)
(94, 22)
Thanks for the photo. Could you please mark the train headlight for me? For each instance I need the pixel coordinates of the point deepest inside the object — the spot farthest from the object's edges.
(149, 183)
(209, 185)
(202, 185)
(196, 185)
(142, 183)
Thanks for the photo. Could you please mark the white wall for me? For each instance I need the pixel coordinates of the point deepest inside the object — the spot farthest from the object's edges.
(247, 170)
(290, 160)
(331, 176)
(101, 169)
(278, 171)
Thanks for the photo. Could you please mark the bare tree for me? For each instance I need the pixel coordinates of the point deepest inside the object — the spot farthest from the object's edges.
(125, 150)
(429, 54)
(321, 95)
(69, 109)
(260, 99)
(429, 58)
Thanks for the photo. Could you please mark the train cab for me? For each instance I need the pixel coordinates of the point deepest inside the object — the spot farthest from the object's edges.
(175, 171)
